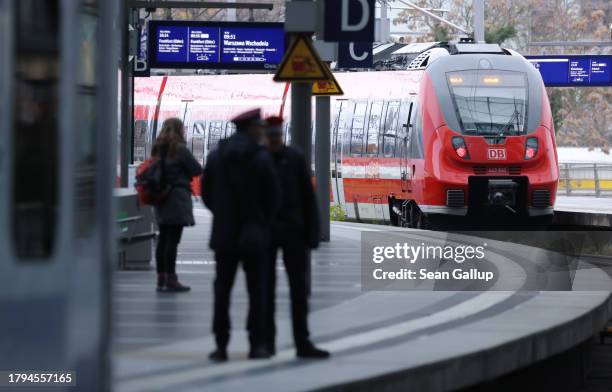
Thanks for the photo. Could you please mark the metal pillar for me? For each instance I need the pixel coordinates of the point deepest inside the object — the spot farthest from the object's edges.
(106, 118)
(125, 65)
(322, 158)
(385, 25)
(596, 178)
(301, 118)
(230, 16)
(126, 115)
(479, 35)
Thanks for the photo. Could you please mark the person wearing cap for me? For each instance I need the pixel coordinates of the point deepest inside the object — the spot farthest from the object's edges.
(295, 230)
(240, 186)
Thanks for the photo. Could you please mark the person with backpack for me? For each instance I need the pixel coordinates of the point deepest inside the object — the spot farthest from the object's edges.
(241, 188)
(170, 177)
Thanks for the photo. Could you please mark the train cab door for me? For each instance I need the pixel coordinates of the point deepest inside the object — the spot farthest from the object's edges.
(198, 138)
(187, 111)
(404, 144)
(57, 172)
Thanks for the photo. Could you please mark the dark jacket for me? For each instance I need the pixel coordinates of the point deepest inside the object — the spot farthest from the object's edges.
(177, 209)
(298, 216)
(239, 184)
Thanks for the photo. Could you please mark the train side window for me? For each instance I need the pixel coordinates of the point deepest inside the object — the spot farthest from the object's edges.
(345, 120)
(410, 130)
(141, 128)
(357, 128)
(416, 134)
(230, 128)
(199, 129)
(334, 134)
(215, 133)
(389, 133)
(287, 134)
(198, 133)
(376, 111)
(35, 125)
(404, 117)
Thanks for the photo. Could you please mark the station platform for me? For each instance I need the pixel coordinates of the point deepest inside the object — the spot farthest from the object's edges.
(584, 204)
(583, 211)
(380, 340)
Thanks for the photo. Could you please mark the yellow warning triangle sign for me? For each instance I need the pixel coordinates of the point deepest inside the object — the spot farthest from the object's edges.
(327, 87)
(301, 63)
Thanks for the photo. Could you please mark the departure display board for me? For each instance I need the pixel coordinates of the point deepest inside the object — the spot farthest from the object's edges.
(574, 70)
(217, 45)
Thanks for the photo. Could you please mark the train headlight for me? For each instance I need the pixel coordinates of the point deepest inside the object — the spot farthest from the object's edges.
(490, 80)
(460, 147)
(531, 148)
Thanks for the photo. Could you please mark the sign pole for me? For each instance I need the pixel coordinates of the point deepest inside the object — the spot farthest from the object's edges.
(301, 111)
(301, 117)
(126, 123)
(302, 66)
(322, 157)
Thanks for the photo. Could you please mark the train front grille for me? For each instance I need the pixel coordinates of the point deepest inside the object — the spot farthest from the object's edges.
(480, 170)
(484, 170)
(541, 198)
(514, 170)
(455, 198)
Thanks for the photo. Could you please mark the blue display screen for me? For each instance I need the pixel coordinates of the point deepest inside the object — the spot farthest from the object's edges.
(216, 45)
(572, 70)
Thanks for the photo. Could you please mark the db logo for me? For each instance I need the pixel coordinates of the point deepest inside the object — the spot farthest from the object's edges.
(496, 154)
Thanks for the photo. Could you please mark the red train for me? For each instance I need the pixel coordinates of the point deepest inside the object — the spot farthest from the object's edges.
(466, 129)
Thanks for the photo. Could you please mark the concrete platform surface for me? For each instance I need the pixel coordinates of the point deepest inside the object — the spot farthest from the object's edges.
(588, 204)
(380, 340)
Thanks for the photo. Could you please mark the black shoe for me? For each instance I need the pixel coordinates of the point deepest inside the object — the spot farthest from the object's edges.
(174, 286)
(272, 349)
(219, 355)
(311, 351)
(259, 352)
(161, 282)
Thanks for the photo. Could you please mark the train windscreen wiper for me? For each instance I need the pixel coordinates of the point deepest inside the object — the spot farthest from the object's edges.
(510, 123)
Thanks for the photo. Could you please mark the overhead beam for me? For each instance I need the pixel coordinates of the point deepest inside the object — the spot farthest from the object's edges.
(197, 4)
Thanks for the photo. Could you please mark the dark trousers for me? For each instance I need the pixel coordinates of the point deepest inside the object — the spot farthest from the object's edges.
(254, 265)
(297, 265)
(167, 247)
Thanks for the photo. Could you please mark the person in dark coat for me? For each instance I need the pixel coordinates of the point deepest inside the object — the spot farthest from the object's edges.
(241, 189)
(295, 230)
(176, 211)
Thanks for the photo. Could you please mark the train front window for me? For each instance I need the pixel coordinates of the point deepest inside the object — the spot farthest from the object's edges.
(489, 102)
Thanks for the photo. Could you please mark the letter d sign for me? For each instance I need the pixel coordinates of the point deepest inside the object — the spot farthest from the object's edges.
(365, 16)
(349, 20)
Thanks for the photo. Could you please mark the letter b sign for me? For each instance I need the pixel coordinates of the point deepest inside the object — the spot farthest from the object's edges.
(349, 20)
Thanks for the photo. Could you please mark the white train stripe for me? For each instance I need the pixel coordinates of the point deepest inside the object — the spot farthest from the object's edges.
(371, 171)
